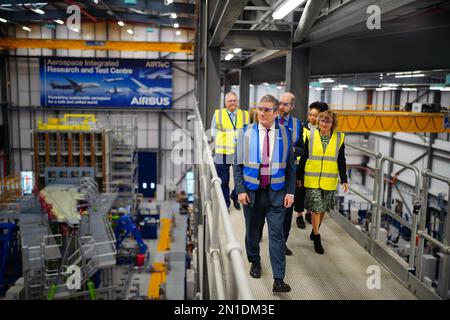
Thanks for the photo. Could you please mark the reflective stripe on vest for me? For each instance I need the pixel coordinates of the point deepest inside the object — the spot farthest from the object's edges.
(252, 158)
(227, 132)
(321, 169)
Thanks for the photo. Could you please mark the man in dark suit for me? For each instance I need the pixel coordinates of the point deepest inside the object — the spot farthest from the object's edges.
(264, 177)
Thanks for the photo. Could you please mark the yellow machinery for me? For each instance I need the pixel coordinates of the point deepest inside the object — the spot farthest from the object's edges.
(70, 122)
(390, 121)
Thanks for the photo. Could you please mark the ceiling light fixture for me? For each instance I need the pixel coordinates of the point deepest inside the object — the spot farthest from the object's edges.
(173, 16)
(228, 57)
(326, 80)
(120, 23)
(167, 2)
(59, 21)
(285, 8)
(37, 10)
(26, 28)
(3, 20)
(130, 31)
(358, 89)
(178, 32)
(176, 25)
(409, 89)
(237, 50)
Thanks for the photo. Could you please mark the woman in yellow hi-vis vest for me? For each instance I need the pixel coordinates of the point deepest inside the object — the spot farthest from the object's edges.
(321, 165)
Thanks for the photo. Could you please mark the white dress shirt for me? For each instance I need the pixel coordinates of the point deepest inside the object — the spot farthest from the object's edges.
(262, 135)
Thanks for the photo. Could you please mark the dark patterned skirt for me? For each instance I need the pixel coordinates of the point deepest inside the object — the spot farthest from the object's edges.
(318, 200)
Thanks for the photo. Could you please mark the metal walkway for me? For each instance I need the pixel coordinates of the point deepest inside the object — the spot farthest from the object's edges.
(339, 274)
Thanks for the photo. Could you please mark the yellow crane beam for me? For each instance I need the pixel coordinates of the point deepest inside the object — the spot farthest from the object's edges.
(9, 43)
(390, 121)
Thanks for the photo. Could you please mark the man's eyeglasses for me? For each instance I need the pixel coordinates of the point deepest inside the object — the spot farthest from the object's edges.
(264, 109)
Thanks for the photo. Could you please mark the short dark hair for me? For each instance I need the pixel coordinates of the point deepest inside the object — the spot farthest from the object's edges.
(270, 98)
(321, 106)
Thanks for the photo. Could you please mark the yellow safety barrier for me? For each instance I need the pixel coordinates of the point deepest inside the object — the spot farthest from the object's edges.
(164, 238)
(390, 121)
(158, 277)
(85, 123)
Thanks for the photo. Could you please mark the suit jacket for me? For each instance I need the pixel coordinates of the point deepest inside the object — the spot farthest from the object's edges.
(276, 197)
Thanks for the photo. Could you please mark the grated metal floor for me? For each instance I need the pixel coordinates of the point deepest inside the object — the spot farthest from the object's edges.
(339, 274)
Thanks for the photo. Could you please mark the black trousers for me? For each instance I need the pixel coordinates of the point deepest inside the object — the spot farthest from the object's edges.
(299, 199)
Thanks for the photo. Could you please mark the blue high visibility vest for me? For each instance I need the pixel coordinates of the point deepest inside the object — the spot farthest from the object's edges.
(295, 128)
(252, 157)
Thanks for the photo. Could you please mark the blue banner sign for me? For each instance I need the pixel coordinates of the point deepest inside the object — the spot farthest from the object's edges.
(95, 82)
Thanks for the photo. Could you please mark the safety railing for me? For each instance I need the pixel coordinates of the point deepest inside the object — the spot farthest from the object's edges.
(424, 236)
(416, 202)
(410, 272)
(376, 156)
(216, 219)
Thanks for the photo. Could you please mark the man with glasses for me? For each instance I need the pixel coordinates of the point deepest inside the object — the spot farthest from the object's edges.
(295, 129)
(225, 125)
(264, 176)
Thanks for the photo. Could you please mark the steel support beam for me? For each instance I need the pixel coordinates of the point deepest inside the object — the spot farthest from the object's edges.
(244, 88)
(263, 56)
(298, 70)
(226, 84)
(212, 83)
(352, 16)
(230, 13)
(4, 125)
(255, 40)
(311, 12)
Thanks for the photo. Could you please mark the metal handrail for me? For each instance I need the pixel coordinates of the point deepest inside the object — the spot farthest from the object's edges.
(416, 199)
(376, 186)
(423, 235)
(233, 247)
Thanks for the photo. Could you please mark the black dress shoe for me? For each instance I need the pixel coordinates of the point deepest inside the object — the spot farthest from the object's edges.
(280, 286)
(300, 222)
(287, 251)
(255, 270)
(237, 205)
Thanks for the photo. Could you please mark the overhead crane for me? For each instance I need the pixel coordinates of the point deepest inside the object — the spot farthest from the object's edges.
(10, 43)
(391, 121)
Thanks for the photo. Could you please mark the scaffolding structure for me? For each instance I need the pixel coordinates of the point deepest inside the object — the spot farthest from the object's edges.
(124, 160)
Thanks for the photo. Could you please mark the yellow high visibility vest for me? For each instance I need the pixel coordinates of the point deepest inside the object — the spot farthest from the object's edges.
(321, 170)
(305, 133)
(227, 131)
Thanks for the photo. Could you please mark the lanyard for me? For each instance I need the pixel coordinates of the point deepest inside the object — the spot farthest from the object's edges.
(235, 120)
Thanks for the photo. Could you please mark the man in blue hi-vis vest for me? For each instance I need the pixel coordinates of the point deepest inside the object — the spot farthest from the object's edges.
(284, 118)
(264, 177)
